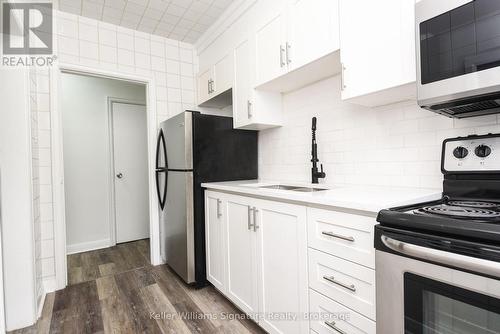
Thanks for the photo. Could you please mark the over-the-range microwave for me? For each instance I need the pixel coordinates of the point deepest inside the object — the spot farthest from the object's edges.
(458, 56)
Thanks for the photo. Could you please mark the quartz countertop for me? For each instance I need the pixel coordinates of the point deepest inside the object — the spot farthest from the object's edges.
(370, 199)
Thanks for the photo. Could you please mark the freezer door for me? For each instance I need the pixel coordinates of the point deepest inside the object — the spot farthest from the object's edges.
(179, 225)
(178, 133)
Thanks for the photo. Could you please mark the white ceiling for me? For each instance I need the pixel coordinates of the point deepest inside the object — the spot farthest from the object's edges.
(183, 20)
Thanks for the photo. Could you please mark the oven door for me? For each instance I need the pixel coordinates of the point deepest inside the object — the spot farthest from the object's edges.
(457, 51)
(417, 295)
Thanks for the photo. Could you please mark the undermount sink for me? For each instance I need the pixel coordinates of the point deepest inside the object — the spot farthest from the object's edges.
(292, 188)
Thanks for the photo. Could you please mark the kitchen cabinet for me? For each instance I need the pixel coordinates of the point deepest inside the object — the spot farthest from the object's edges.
(313, 31)
(215, 230)
(252, 110)
(214, 84)
(266, 258)
(282, 264)
(298, 45)
(377, 51)
(242, 288)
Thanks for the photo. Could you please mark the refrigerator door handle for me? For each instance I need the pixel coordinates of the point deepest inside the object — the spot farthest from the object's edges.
(161, 149)
(162, 199)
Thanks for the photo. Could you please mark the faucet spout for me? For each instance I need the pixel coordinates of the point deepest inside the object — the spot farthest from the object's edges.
(315, 173)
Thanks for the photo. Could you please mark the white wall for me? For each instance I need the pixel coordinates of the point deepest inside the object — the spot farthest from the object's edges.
(16, 189)
(396, 145)
(85, 123)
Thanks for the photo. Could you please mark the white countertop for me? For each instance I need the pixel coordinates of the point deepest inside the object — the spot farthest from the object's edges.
(364, 198)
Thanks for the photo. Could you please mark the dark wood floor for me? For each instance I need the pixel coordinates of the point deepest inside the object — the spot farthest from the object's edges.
(88, 266)
(143, 300)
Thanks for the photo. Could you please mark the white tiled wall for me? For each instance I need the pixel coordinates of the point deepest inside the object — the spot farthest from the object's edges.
(86, 42)
(397, 145)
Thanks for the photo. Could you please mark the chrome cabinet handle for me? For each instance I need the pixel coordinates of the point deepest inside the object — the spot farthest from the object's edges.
(282, 52)
(288, 58)
(333, 326)
(250, 225)
(208, 86)
(463, 262)
(338, 236)
(249, 109)
(342, 77)
(332, 279)
(119, 175)
(219, 213)
(255, 226)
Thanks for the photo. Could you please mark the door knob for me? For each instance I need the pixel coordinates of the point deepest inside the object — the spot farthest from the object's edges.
(119, 175)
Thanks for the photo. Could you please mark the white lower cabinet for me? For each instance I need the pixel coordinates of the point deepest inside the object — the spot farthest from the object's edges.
(265, 262)
(332, 317)
(215, 230)
(258, 257)
(241, 254)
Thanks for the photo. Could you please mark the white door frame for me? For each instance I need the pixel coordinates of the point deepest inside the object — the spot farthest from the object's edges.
(58, 161)
(111, 164)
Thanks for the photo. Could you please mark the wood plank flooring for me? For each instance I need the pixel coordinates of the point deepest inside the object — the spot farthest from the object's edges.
(88, 266)
(143, 300)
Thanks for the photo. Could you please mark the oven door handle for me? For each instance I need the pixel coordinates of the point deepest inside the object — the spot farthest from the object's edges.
(459, 261)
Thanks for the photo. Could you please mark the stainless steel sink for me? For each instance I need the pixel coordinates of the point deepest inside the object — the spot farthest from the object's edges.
(279, 187)
(292, 188)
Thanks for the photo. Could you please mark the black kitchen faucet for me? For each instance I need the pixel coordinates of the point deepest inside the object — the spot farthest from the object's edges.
(315, 174)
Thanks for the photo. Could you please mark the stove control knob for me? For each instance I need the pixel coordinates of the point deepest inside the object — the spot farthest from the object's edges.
(483, 151)
(460, 152)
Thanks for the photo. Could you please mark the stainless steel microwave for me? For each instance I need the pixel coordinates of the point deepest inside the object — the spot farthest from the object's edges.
(458, 56)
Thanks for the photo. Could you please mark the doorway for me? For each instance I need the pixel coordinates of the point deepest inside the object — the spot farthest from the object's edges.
(106, 188)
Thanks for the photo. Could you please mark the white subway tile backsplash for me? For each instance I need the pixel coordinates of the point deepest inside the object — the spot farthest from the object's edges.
(396, 145)
(126, 57)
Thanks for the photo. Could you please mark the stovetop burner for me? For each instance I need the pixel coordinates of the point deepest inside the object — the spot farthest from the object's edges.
(475, 204)
(458, 211)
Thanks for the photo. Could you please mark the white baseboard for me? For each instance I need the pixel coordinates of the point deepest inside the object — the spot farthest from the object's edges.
(87, 246)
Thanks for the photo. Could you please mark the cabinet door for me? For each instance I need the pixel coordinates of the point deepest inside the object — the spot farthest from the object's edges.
(215, 239)
(223, 76)
(271, 49)
(242, 108)
(204, 88)
(242, 273)
(374, 42)
(313, 31)
(282, 264)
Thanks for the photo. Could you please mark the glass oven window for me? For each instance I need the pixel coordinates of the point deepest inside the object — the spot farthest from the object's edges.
(461, 41)
(433, 307)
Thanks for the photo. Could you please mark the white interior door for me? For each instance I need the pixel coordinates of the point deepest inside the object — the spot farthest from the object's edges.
(131, 172)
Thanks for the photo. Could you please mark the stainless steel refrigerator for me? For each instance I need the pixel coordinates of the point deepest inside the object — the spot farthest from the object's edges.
(194, 148)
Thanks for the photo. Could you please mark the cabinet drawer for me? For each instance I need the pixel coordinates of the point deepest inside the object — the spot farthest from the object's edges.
(348, 283)
(326, 311)
(341, 234)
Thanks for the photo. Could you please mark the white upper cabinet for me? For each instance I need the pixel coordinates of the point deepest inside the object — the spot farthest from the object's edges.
(297, 45)
(204, 85)
(271, 49)
(313, 31)
(214, 84)
(252, 110)
(377, 47)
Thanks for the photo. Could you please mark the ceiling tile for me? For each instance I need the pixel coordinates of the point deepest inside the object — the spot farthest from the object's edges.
(181, 20)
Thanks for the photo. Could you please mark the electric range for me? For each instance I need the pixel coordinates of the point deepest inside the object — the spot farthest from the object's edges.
(438, 263)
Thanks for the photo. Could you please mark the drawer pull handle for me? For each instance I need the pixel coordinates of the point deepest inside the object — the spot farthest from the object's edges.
(332, 279)
(333, 326)
(338, 236)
